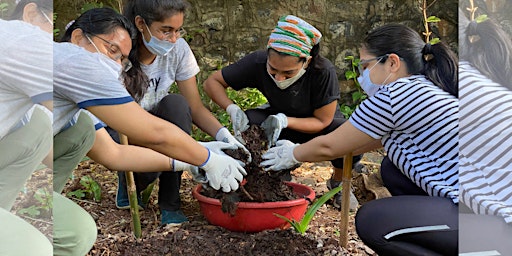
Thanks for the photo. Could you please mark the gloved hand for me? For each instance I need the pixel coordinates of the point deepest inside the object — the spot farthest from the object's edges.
(193, 170)
(218, 146)
(224, 135)
(273, 126)
(239, 120)
(280, 157)
(223, 172)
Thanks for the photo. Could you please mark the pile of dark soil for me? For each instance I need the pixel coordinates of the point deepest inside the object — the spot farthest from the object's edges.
(259, 185)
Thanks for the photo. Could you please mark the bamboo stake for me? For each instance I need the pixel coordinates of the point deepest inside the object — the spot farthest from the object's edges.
(132, 196)
(345, 198)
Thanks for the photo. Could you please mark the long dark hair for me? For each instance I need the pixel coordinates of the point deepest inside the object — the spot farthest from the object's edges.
(45, 6)
(489, 50)
(104, 21)
(150, 10)
(437, 62)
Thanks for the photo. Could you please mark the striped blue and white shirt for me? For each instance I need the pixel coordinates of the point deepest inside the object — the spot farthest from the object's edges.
(417, 123)
(485, 143)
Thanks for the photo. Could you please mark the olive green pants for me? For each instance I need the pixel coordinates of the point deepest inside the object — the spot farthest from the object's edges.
(18, 237)
(70, 147)
(21, 151)
(74, 229)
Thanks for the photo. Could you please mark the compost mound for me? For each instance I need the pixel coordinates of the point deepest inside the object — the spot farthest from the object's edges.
(260, 185)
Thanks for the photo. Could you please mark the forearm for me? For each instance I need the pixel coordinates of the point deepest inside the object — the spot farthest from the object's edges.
(131, 158)
(206, 121)
(119, 157)
(345, 139)
(306, 125)
(152, 132)
(178, 145)
(215, 88)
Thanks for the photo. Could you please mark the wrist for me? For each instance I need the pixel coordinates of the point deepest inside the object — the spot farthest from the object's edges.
(292, 155)
(206, 161)
(222, 133)
(284, 119)
(232, 108)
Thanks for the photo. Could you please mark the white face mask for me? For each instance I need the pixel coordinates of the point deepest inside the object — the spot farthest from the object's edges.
(366, 82)
(157, 46)
(287, 82)
(114, 67)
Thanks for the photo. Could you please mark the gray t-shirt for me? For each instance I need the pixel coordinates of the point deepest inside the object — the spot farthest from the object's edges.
(82, 79)
(25, 70)
(179, 65)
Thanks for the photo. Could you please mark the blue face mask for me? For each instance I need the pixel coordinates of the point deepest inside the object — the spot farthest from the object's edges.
(366, 82)
(157, 46)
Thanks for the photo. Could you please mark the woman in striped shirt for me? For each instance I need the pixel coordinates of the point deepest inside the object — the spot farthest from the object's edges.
(485, 137)
(411, 110)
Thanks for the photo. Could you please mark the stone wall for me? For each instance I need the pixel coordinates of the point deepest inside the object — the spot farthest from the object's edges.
(222, 31)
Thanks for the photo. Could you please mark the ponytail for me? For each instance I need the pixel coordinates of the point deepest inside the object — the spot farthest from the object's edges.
(489, 49)
(441, 67)
(436, 62)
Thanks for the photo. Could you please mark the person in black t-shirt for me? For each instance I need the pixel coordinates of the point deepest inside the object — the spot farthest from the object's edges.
(300, 85)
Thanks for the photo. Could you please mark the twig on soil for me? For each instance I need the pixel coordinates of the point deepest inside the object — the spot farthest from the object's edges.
(369, 163)
(83, 201)
(246, 193)
(37, 220)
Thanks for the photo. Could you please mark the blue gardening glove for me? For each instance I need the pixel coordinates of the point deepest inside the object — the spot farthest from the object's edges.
(225, 136)
(239, 121)
(280, 157)
(273, 126)
(223, 172)
(193, 170)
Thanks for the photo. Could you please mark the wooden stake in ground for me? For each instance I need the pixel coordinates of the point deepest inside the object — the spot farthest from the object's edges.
(345, 198)
(132, 195)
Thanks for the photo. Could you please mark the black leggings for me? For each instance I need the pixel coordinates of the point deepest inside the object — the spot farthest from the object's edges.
(175, 109)
(409, 207)
(257, 116)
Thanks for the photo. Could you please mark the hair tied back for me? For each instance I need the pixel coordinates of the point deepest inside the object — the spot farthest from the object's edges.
(427, 52)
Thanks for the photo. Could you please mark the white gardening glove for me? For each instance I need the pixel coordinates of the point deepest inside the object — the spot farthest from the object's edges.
(193, 170)
(223, 172)
(280, 157)
(239, 120)
(218, 147)
(273, 126)
(224, 135)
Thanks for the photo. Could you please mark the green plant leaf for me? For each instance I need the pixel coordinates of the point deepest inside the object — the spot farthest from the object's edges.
(349, 74)
(434, 40)
(79, 193)
(32, 211)
(303, 225)
(357, 96)
(433, 19)
(481, 18)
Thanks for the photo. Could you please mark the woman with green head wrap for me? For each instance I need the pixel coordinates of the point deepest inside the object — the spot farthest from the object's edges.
(300, 85)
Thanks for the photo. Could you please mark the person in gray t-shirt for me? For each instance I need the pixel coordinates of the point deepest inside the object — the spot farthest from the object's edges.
(161, 57)
(87, 68)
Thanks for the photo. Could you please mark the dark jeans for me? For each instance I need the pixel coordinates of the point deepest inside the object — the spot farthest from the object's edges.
(409, 207)
(257, 116)
(175, 109)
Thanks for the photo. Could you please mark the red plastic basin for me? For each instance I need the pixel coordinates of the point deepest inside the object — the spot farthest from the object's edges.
(256, 217)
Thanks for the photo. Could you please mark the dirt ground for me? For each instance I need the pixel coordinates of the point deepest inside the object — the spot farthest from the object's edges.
(198, 237)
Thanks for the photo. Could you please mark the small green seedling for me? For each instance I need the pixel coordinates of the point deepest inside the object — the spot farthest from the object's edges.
(302, 226)
(91, 189)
